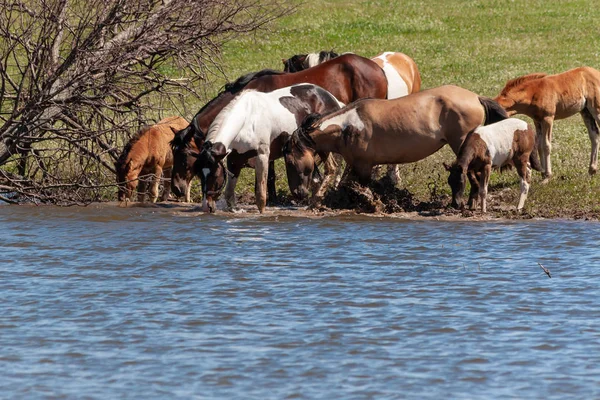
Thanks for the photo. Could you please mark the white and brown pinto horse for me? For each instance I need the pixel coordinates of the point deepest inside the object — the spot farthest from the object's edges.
(545, 98)
(510, 142)
(254, 124)
(401, 71)
(371, 132)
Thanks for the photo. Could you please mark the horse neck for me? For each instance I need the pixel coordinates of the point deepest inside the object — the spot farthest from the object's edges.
(209, 112)
(311, 60)
(233, 119)
(465, 156)
(327, 140)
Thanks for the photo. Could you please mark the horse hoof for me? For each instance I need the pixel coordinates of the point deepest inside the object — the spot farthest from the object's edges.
(593, 170)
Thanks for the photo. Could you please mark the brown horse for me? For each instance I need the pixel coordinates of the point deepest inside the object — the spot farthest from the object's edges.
(348, 78)
(371, 132)
(545, 98)
(148, 152)
(510, 142)
(401, 71)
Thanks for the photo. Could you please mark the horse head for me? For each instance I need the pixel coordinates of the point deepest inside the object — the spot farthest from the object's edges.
(299, 155)
(516, 94)
(295, 63)
(212, 172)
(457, 181)
(186, 147)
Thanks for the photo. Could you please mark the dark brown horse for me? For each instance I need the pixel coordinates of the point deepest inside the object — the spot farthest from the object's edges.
(348, 78)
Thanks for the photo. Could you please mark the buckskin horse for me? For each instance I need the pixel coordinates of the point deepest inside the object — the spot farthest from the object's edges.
(148, 152)
(371, 132)
(545, 98)
(400, 70)
(510, 142)
(254, 125)
(348, 78)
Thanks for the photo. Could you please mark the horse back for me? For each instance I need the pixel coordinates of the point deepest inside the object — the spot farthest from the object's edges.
(348, 77)
(154, 145)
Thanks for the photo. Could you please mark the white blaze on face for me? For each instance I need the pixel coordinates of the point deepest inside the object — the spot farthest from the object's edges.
(499, 138)
(349, 118)
(205, 172)
(396, 85)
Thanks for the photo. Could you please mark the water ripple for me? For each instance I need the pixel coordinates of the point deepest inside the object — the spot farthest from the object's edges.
(141, 303)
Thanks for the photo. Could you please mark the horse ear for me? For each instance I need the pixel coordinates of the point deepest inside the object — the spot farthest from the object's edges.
(447, 167)
(310, 120)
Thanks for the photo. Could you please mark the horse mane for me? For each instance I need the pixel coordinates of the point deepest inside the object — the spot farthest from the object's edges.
(122, 163)
(304, 141)
(242, 81)
(513, 83)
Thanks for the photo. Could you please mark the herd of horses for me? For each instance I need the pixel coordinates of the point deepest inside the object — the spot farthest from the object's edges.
(370, 112)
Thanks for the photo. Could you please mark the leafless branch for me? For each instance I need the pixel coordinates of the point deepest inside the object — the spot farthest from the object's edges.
(77, 78)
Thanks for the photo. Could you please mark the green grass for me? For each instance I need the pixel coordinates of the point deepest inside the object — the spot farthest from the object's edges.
(478, 45)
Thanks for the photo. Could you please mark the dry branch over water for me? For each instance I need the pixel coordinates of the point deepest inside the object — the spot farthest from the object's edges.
(78, 77)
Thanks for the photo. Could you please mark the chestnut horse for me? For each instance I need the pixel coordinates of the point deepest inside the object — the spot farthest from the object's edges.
(253, 125)
(370, 132)
(148, 152)
(545, 98)
(510, 142)
(348, 78)
(400, 70)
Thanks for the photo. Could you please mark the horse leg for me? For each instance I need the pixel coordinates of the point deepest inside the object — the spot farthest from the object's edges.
(188, 192)
(546, 144)
(540, 147)
(472, 203)
(484, 180)
(592, 127)
(329, 169)
(524, 171)
(235, 170)
(155, 183)
(339, 172)
(393, 172)
(166, 185)
(261, 167)
(363, 172)
(272, 190)
(141, 189)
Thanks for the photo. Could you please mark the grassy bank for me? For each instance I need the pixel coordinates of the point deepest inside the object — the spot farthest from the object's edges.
(478, 45)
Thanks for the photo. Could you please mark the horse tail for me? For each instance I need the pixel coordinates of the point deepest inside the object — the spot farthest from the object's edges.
(534, 157)
(494, 112)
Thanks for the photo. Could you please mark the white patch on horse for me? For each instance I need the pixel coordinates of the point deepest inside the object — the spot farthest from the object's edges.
(343, 120)
(205, 171)
(312, 60)
(397, 87)
(499, 139)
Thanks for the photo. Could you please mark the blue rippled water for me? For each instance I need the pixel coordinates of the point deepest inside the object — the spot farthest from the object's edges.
(107, 303)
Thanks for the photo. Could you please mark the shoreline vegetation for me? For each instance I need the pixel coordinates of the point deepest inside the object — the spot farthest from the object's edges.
(477, 45)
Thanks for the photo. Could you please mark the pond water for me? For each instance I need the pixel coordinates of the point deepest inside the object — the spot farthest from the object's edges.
(103, 302)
